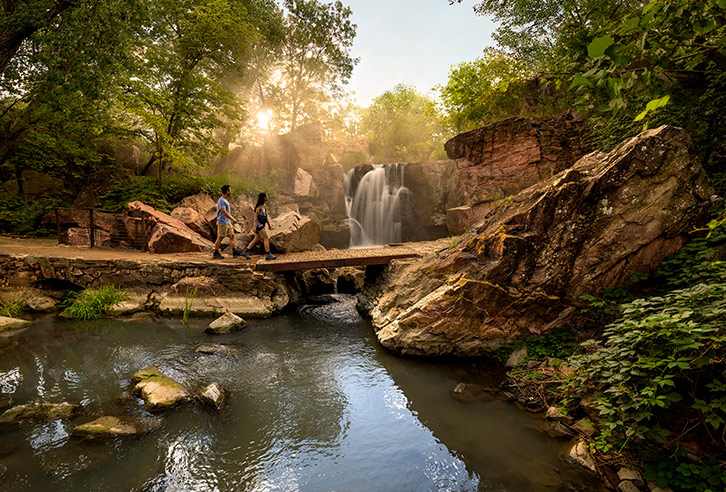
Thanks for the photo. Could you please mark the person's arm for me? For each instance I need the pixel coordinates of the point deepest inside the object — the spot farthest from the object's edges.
(269, 220)
(224, 211)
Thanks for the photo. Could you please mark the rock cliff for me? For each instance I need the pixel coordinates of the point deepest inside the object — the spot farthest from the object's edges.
(521, 270)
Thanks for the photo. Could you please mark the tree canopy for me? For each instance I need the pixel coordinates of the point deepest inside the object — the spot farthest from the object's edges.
(404, 125)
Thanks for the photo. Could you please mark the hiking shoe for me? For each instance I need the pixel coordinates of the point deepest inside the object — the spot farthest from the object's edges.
(270, 256)
(236, 253)
(245, 254)
(217, 255)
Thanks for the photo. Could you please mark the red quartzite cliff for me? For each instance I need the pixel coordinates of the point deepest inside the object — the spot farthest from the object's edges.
(522, 269)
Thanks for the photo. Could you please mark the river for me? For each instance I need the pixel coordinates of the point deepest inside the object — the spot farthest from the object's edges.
(316, 404)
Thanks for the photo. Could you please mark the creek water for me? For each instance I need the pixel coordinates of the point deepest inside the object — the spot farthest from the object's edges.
(315, 405)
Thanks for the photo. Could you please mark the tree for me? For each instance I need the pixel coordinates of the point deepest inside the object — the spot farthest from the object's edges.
(58, 88)
(180, 93)
(483, 91)
(20, 19)
(539, 32)
(403, 125)
(314, 62)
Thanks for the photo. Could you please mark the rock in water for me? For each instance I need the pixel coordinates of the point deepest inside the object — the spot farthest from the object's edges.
(522, 270)
(158, 391)
(109, 427)
(225, 323)
(213, 395)
(9, 324)
(47, 411)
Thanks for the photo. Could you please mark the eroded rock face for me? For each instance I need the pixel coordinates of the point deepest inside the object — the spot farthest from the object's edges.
(501, 159)
(521, 271)
(168, 235)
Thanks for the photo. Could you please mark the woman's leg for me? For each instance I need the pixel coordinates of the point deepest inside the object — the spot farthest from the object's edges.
(254, 240)
(265, 239)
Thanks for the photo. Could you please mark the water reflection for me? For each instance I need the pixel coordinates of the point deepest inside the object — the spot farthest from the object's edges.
(312, 407)
(10, 380)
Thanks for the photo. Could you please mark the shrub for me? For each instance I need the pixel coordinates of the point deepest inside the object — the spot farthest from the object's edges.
(660, 350)
(93, 303)
(23, 217)
(173, 188)
(11, 309)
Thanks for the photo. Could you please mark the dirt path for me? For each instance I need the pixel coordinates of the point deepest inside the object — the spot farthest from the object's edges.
(49, 248)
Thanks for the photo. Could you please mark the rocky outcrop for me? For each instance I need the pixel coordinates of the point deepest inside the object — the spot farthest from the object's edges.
(165, 234)
(158, 391)
(499, 160)
(293, 232)
(521, 271)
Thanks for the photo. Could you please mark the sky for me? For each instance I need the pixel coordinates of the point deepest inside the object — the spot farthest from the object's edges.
(413, 42)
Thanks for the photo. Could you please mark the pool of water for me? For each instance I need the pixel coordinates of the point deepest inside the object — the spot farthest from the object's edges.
(315, 405)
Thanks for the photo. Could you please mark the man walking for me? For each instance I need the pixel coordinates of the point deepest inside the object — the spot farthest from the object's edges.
(224, 224)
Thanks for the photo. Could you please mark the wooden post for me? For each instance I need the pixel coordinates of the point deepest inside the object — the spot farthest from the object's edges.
(57, 225)
(91, 227)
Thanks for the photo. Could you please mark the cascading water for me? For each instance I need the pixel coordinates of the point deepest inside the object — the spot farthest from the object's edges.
(376, 206)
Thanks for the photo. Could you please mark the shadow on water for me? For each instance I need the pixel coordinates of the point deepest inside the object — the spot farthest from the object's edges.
(315, 405)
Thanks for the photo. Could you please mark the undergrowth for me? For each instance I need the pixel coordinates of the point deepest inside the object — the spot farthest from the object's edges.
(172, 189)
(11, 309)
(93, 303)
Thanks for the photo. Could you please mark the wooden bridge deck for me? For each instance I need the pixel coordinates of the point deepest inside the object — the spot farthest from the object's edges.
(336, 258)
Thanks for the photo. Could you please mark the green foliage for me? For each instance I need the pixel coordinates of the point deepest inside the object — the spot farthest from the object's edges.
(12, 309)
(313, 63)
(702, 260)
(172, 189)
(93, 303)
(660, 348)
(23, 217)
(486, 90)
(707, 476)
(404, 126)
(188, 301)
(557, 344)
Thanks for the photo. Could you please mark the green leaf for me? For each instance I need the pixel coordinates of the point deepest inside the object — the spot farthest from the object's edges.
(597, 46)
(580, 80)
(630, 25)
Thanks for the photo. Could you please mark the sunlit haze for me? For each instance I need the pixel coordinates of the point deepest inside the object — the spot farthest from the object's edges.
(413, 42)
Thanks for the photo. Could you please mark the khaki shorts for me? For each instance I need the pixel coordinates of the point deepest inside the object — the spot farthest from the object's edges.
(225, 230)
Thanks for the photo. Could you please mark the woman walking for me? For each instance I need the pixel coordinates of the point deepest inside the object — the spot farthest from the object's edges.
(261, 220)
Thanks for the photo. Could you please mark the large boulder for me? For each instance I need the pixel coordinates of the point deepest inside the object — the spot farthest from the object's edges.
(303, 183)
(292, 232)
(194, 221)
(166, 234)
(521, 271)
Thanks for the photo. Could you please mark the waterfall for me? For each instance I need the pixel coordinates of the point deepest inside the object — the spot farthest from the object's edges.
(376, 206)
